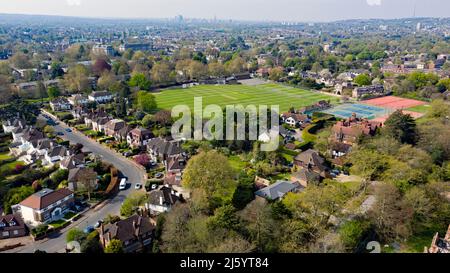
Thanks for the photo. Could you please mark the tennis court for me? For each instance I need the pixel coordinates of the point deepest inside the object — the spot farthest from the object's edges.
(395, 103)
(361, 111)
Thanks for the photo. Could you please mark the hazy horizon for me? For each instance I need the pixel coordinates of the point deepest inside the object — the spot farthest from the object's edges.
(280, 10)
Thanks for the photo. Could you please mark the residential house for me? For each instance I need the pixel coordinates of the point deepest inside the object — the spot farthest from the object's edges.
(45, 206)
(316, 107)
(163, 199)
(101, 97)
(11, 124)
(97, 120)
(294, 119)
(60, 104)
(278, 190)
(82, 179)
(175, 164)
(72, 162)
(12, 226)
(348, 132)
(161, 149)
(311, 160)
(56, 154)
(369, 91)
(139, 137)
(306, 177)
(78, 100)
(135, 232)
(117, 128)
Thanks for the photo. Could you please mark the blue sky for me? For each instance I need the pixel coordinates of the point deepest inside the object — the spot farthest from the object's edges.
(260, 10)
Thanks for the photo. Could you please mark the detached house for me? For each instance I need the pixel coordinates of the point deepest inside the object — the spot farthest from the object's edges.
(101, 97)
(81, 179)
(135, 232)
(162, 200)
(72, 162)
(311, 160)
(45, 206)
(278, 190)
(11, 124)
(345, 133)
(97, 120)
(78, 100)
(139, 137)
(161, 149)
(12, 226)
(60, 104)
(294, 119)
(117, 128)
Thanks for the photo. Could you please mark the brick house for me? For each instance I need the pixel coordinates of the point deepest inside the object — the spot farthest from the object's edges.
(139, 137)
(135, 232)
(12, 226)
(45, 206)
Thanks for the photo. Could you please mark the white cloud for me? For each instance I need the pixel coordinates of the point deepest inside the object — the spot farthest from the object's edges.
(374, 2)
(74, 2)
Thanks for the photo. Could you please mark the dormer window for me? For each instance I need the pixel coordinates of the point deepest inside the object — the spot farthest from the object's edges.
(12, 223)
(2, 224)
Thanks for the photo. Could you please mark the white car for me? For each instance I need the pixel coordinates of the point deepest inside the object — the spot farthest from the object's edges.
(123, 184)
(137, 186)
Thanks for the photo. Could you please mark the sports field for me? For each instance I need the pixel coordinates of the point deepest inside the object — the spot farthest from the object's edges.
(222, 95)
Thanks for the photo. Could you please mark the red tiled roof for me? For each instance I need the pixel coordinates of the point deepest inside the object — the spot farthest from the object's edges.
(45, 198)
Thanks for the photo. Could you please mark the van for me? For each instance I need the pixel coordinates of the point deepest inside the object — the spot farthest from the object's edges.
(123, 184)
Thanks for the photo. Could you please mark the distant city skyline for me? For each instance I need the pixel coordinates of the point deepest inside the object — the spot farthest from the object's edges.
(251, 10)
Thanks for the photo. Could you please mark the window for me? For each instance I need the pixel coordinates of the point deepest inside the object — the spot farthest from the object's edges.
(12, 223)
(2, 224)
(5, 233)
(16, 232)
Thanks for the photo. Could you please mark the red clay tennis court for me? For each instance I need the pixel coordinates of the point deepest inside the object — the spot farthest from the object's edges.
(393, 102)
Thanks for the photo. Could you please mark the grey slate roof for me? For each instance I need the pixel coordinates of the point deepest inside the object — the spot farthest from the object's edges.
(277, 190)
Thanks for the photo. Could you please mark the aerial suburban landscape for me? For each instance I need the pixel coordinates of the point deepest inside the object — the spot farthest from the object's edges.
(89, 162)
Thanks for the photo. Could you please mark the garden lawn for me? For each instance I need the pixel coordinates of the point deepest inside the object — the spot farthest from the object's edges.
(236, 163)
(222, 95)
(420, 109)
(10, 166)
(5, 156)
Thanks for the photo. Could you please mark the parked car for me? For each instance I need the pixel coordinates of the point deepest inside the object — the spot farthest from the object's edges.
(137, 186)
(60, 133)
(89, 229)
(98, 224)
(68, 130)
(154, 186)
(123, 184)
(159, 175)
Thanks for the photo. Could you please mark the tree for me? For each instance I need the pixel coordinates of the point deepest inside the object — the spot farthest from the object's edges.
(363, 80)
(15, 196)
(216, 69)
(147, 120)
(76, 80)
(236, 65)
(142, 159)
(276, 74)
(53, 92)
(145, 101)
(163, 117)
(21, 61)
(389, 214)
(224, 217)
(76, 235)
(114, 246)
(161, 73)
(106, 80)
(401, 127)
(100, 66)
(368, 164)
(211, 172)
(352, 232)
(244, 192)
(197, 70)
(91, 244)
(41, 90)
(132, 202)
(140, 81)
